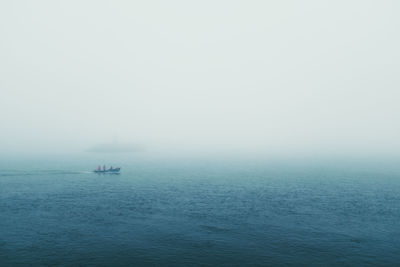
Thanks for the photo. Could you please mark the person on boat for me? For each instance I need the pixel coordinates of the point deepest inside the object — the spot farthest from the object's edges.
(99, 168)
(104, 167)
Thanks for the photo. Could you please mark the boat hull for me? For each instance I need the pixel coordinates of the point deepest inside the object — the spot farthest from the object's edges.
(111, 171)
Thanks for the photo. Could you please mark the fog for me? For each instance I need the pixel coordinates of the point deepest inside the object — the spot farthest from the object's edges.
(246, 77)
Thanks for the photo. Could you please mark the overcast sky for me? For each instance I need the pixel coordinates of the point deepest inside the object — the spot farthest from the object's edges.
(246, 76)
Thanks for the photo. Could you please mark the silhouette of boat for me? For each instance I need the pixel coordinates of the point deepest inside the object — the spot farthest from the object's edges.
(110, 170)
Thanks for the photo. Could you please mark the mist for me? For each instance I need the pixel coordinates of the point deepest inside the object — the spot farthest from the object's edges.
(246, 77)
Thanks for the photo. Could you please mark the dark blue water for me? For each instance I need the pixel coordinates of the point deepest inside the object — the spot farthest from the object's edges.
(189, 213)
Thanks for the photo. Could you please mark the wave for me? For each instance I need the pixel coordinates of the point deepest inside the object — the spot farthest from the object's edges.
(39, 172)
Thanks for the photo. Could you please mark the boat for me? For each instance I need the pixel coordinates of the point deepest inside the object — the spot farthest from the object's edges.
(110, 170)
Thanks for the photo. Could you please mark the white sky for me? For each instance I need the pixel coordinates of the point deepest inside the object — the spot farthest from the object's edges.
(249, 76)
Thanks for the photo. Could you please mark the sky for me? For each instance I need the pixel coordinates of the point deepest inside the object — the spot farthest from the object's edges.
(251, 77)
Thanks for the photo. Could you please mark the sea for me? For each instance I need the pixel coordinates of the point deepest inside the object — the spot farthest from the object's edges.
(177, 211)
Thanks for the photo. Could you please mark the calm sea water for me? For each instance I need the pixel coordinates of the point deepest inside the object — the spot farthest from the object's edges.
(191, 212)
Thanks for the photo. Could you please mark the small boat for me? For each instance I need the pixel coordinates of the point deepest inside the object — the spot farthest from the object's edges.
(110, 170)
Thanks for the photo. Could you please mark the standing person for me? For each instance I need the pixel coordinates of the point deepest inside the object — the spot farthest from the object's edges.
(104, 167)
